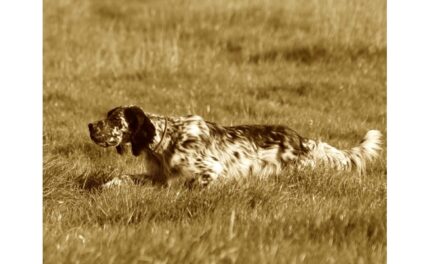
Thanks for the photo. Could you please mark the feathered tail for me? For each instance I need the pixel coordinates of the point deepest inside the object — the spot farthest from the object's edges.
(322, 153)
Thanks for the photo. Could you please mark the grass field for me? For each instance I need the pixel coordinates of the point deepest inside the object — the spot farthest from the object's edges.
(317, 66)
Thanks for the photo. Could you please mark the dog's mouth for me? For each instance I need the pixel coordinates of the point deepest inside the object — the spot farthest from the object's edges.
(104, 142)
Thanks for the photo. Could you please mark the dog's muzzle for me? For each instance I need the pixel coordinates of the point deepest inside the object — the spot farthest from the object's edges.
(99, 136)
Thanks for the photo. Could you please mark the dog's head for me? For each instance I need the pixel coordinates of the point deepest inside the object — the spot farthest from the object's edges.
(124, 124)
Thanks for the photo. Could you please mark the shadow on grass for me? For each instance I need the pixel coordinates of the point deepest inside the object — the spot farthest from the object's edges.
(311, 54)
(97, 181)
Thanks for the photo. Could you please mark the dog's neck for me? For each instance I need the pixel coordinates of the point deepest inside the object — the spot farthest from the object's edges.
(162, 137)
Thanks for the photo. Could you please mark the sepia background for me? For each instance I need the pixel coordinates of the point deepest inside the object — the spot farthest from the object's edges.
(317, 66)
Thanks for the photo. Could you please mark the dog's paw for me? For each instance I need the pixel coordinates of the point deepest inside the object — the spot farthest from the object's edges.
(123, 180)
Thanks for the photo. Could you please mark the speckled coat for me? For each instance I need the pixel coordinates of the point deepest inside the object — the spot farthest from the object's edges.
(193, 148)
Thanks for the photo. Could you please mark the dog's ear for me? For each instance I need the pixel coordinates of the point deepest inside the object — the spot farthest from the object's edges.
(142, 130)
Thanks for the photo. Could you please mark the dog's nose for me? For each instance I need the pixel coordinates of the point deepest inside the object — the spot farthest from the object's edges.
(90, 127)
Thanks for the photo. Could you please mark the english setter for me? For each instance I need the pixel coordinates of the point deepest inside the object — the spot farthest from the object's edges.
(204, 151)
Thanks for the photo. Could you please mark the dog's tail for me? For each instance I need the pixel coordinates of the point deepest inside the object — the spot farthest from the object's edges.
(322, 153)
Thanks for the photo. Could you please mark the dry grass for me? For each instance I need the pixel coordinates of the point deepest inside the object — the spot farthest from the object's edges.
(317, 66)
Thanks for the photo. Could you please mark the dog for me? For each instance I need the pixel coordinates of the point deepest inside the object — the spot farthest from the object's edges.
(203, 152)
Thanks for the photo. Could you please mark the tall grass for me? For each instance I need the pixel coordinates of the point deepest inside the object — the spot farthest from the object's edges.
(317, 66)
(96, 38)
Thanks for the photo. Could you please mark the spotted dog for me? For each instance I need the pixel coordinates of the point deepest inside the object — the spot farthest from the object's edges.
(203, 151)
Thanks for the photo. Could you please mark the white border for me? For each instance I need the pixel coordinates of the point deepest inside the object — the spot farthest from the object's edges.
(21, 131)
(413, 132)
